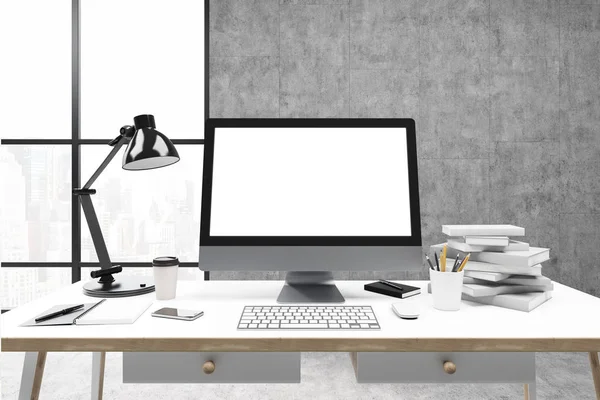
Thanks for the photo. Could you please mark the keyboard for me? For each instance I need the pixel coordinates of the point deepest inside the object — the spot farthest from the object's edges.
(308, 317)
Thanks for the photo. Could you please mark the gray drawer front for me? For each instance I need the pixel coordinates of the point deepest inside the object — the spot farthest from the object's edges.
(428, 367)
(185, 367)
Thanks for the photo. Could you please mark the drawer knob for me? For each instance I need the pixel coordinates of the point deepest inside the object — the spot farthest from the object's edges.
(208, 367)
(449, 367)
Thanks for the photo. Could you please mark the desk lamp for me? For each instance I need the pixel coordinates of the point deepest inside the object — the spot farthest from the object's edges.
(147, 148)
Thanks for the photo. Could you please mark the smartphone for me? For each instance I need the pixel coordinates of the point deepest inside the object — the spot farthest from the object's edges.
(175, 313)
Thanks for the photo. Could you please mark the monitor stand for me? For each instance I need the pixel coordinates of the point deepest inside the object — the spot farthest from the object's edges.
(310, 287)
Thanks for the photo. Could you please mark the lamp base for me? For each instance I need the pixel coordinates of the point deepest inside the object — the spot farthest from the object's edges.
(123, 286)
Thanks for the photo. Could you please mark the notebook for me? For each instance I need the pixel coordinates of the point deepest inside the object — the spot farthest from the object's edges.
(104, 312)
(67, 319)
(381, 288)
(117, 311)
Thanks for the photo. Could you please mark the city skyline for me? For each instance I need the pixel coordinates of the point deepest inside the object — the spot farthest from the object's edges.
(141, 215)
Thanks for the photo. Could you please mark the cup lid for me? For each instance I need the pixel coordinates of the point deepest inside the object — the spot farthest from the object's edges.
(165, 261)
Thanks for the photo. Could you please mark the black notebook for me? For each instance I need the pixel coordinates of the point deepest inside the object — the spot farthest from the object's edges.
(382, 288)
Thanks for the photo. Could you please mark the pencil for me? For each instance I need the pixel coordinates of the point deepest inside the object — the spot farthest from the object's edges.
(443, 258)
(437, 262)
(464, 263)
(429, 261)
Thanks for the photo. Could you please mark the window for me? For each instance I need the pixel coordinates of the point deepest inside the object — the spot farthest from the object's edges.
(36, 203)
(142, 57)
(35, 78)
(135, 57)
(22, 285)
(145, 214)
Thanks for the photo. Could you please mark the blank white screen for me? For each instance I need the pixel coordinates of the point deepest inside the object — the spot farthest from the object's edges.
(310, 182)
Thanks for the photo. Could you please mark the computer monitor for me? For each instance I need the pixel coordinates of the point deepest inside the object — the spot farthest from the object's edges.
(310, 196)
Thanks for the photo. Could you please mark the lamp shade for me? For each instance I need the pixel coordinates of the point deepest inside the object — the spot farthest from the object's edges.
(148, 149)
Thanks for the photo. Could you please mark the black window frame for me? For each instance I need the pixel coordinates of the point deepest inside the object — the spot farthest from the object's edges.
(76, 143)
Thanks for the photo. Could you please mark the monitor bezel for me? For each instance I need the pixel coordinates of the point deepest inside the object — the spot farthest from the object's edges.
(209, 139)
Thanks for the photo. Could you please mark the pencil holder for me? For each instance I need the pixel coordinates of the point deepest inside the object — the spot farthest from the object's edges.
(446, 289)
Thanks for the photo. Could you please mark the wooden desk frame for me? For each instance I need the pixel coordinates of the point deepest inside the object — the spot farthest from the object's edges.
(33, 368)
(223, 338)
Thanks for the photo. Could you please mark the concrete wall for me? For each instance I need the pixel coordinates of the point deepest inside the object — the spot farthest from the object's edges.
(505, 95)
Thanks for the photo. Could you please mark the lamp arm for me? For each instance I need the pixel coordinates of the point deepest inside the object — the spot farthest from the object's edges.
(116, 147)
(84, 195)
(95, 231)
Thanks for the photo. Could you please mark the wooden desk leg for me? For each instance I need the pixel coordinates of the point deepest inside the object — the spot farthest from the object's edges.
(595, 372)
(33, 372)
(98, 361)
(530, 391)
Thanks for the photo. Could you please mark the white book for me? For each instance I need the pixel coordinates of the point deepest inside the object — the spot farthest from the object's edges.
(487, 240)
(515, 301)
(520, 301)
(487, 276)
(116, 311)
(535, 270)
(483, 230)
(528, 280)
(459, 244)
(486, 290)
(509, 279)
(533, 256)
(477, 288)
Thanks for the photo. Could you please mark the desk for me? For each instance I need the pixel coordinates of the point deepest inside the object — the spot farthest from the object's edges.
(567, 323)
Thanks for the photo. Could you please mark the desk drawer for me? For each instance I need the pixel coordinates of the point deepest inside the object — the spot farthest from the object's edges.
(431, 367)
(187, 367)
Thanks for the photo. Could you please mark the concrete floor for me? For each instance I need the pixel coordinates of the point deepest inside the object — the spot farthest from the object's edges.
(563, 376)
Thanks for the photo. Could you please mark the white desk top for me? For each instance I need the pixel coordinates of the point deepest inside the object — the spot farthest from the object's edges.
(568, 322)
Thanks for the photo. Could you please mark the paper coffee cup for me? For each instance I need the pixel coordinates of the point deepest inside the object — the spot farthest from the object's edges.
(165, 277)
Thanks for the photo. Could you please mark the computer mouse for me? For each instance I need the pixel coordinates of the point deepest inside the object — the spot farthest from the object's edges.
(407, 309)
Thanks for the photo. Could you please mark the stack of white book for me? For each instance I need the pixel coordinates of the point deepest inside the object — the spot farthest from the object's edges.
(501, 271)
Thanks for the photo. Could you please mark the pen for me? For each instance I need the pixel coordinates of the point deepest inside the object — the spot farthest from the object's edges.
(456, 264)
(455, 268)
(391, 284)
(429, 261)
(436, 260)
(464, 263)
(58, 313)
